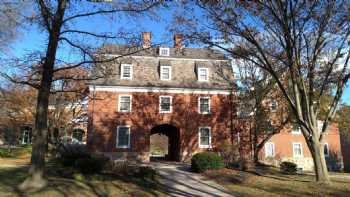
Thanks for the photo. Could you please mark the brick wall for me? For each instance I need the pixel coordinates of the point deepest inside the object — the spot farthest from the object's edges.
(104, 119)
(283, 143)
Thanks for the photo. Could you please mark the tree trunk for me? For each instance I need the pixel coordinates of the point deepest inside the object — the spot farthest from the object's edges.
(36, 171)
(320, 165)
(36, 179)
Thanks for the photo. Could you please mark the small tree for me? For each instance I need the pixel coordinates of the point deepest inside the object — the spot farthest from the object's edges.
(269, 113)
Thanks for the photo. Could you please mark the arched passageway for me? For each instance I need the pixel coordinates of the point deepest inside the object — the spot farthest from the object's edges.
(173, 140)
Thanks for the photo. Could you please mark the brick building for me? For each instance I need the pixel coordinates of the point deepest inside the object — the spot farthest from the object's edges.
(290, 145)
(182, 93)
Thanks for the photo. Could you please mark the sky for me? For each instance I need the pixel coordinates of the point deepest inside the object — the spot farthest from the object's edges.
(31, 38)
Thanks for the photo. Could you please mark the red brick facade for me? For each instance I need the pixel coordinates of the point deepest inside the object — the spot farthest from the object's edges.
(283, 149)
(144, 115)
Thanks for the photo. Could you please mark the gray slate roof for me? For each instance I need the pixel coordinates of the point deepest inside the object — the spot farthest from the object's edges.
(190, 53)
(184, 63)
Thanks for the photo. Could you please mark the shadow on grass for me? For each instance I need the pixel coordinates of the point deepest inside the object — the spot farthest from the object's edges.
(88, 185)
(269, 182)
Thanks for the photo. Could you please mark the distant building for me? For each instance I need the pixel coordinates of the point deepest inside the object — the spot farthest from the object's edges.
(290, 145)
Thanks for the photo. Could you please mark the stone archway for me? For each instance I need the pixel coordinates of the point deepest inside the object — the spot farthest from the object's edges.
(173, 135)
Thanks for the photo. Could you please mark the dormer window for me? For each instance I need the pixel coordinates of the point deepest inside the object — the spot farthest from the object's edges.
(203, 74)
(126, 71)
(165, 72)
(164, 51)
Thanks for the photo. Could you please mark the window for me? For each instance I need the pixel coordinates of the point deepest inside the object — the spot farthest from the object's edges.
(296, 129)
(326, 149)
(297, 150)
(124, 103)
(26, 135)
(319, 126)
(126, 71)
(269, 149)
(203, 74)
(77, 135)
(204, 105)
(165, 104)
(204, 137)
(164, 51)
(123, 137)
(165, 72)
(273, 106)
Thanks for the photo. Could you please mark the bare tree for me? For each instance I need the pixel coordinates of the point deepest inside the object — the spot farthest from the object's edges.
(308, 39)
(58, 19)
(268, 111)
(9, 21)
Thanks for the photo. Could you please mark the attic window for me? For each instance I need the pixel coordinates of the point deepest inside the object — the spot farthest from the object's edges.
(126, 71)
(203, 74)
(164, 51)
(165, 72)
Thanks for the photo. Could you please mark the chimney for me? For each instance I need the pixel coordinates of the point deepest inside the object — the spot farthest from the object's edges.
(177, 40)
(146, 40)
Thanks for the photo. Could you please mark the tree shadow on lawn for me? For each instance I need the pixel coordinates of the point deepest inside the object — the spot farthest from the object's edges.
(251, 183)
(89, 185)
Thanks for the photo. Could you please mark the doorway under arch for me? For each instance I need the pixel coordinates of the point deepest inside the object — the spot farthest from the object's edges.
(167, 135)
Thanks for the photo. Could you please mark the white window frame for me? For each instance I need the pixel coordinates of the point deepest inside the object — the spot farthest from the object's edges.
(122, 71)
(326, 144)
(199, 138)
(301, 150)
(273, 110)
(296, 132)
(199, 104)
(160, 104)
(319, 126)
(198, 73)
(273, 149)
(119, 102)
(164, 49)
(161, 73)
(129, 134)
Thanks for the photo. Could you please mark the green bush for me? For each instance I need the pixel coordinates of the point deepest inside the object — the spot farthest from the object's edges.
(90, 165)
(70, 153)
(288, 167)
(201, 162)
(5, 153)
(146, 172)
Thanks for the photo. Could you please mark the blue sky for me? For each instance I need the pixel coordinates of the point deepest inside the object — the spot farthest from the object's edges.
(32, 38)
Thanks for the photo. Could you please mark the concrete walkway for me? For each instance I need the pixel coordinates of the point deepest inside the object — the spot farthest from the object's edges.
(179, 181)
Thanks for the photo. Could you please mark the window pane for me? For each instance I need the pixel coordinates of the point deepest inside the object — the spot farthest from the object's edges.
(203, 74)
(165, 103)
(204, 136)
(123, 136)
(204, 141)
(126, 69)
(297, 149)
(269, 150)
(204, 105)
(326, 150)
(165, 73)
(125, 102)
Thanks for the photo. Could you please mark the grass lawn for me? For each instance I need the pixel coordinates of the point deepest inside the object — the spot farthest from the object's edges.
(270, 182)
(80, 185)
(14, 169)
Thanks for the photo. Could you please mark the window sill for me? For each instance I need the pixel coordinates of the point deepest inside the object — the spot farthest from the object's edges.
(205, 146)
(123, 147)
(165, 112)
(208, 113)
